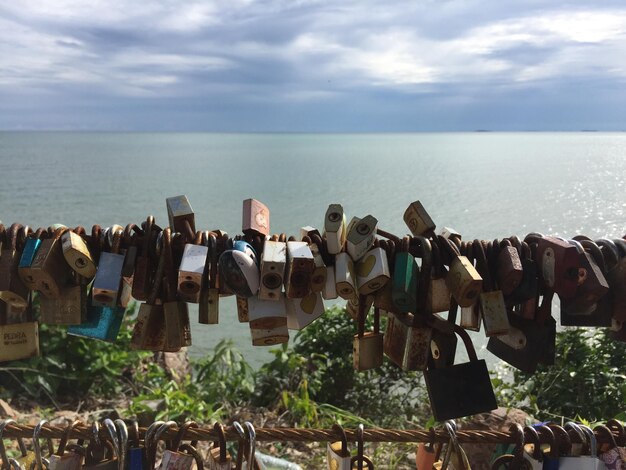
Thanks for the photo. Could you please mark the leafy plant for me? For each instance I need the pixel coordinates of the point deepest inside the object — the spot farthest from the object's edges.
(320, 359)
(588, 380)
(70, 367)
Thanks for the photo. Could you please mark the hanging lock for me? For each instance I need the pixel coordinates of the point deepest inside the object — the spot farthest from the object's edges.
(335, 228)
(462, 389)
(70, 308)
(338, 453)
(273, 262)
(268, 321)
(219, 458)
(408, 336)
(106, 285)
(439, 296)
(404, 280)
(302, 312)
(510, 272)
(49, 268)
(177, 327)
(239, 271)
(209, 305)
(77, 254)
(318, 278)
(361, 234)
(300, 267)
(372, 271)
(367, 347)
(463, 280)
(181, 215)
(492, 307)
(191, 270)
(143, 268)
(256, 218)
(345, 276)
(28, 255)
(12, 289)
(19, 341)
(559, 262)
(418, 220)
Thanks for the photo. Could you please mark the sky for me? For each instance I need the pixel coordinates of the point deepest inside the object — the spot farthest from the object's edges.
(312, 66)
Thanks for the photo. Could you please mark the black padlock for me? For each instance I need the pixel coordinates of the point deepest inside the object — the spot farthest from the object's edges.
(462, 389)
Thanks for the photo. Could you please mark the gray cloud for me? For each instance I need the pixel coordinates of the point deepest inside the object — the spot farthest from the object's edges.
(310, 65)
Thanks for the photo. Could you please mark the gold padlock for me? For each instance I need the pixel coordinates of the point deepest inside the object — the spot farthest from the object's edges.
(367, 349)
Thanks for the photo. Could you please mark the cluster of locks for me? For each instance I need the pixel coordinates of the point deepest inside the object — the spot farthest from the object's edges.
(122, 445)
(504, 286)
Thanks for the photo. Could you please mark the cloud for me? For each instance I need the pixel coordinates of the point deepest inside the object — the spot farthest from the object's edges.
(288, 53)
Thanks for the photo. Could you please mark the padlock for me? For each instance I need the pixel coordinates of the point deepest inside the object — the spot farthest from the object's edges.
(106, 284)
(273, 262)
(177, 326)
(353, 305)
(268, 321)
(559, 265)
(463, 281)
(19, 341)
(28, 255)
(372, 271)
(70, 308)
(591, 306)
(149, 329)
(617, 280)
(360, 237)
(329, 292)
(318, 278)
(12, 289)
(128, 273)
(383, 297)
(592, 289)
(529, 286)
(302, 312)
(492, 307)
(49, 269)
(101, 323)
(443, 341)
(181, 215)
(345, 276)
(62, 460)
(523, 346)
(256, 218)
(408, 336)
(143, 267)
(510, 271)
(77, 254)
(300, 267)
(338, 453)
(439, 296)
(239, 272)
(335, 228)
(191, 270)
(404, 280)
(219, 458)
(462, 389)
(418, 220)
(209, 305)
(367, 347)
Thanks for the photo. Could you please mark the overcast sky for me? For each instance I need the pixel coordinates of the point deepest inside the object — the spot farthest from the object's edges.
(289, 65)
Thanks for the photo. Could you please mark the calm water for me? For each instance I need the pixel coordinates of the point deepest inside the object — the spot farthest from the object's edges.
(484, 185)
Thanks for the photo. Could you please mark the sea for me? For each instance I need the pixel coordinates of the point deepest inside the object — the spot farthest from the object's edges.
(484, 185)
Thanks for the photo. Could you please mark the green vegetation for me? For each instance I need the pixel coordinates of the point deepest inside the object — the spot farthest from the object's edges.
(309, 383)
(588, 380)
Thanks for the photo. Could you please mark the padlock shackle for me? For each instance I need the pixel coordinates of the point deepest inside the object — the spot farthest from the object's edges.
(482, 266)
(469, 346)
